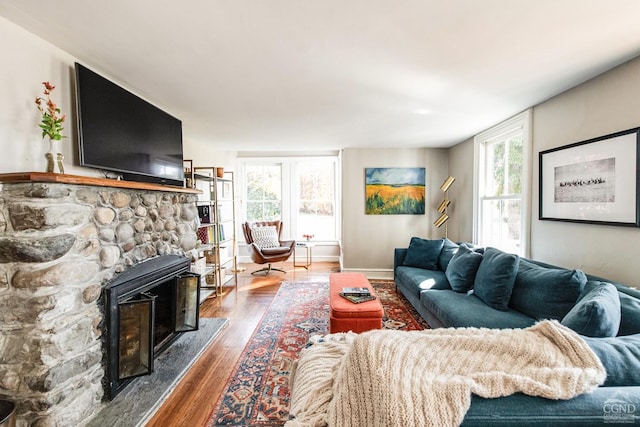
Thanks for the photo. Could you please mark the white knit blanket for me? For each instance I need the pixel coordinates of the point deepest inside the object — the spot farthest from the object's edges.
(426, 378)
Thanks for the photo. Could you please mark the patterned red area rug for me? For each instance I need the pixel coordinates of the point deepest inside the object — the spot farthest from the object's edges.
(257, 391)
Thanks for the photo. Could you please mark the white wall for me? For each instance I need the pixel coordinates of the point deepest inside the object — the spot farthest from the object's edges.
(460, 193)
(28, 61)
(205, 155)
(603, 105)
(606, 104)
(368, 240)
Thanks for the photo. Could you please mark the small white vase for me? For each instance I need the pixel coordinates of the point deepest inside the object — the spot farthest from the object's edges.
(54, 157)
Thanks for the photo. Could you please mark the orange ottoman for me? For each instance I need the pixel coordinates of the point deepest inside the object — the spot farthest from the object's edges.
(346, 316)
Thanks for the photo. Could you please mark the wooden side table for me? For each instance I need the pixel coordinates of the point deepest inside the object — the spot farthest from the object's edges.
(308, 259)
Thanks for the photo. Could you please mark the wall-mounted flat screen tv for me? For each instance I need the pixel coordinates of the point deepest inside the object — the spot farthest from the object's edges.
(122, 133)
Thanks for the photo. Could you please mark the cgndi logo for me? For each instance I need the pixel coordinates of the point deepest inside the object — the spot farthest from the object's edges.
(619, 411)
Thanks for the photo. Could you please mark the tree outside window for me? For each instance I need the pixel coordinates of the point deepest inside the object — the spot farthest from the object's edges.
(316, 199)
(300, 191)
(502, 185)
(501, 203)
(264, 192)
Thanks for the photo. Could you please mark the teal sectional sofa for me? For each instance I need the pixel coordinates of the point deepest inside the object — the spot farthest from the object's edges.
(461, 285)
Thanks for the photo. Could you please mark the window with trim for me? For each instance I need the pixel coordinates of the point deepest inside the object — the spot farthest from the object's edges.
(316, 199)
(501, 199)
(302, 192)
(263, 184)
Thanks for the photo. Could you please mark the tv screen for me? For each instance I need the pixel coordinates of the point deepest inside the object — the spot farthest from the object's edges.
(120, 132)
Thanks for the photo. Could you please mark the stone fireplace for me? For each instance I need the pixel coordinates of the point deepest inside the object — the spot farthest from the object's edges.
(63, 239)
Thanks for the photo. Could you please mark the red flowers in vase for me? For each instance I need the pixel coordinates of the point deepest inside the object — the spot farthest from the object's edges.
(51, 118)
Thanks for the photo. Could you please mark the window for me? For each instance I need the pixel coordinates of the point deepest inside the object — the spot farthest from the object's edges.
(264, 192)
(302, 192)
(501, 200)
(316, 214)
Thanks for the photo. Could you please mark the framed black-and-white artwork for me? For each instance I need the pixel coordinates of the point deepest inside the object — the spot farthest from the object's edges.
(593, 181)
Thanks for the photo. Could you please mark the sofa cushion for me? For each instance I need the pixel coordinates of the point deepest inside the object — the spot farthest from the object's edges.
(496, 277)
(521, 410)
(419, 279)
(423, 253)
(459, 310)
(597, 313)
(620, 357)
(546, 293)
(449, 248)
(462, 269)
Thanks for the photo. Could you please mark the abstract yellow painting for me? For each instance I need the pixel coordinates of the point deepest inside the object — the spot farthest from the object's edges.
(394, 191)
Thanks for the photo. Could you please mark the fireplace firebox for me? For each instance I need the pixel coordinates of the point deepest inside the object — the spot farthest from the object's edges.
(146, 308)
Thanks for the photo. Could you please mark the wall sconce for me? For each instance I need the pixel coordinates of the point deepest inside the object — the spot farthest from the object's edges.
(443, 206)
(443, 218)
(447, 183)
(442, 209)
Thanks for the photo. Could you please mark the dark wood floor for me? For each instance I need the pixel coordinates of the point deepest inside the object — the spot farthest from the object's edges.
(192, 401)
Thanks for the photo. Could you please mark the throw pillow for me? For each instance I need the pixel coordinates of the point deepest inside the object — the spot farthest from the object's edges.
(265, 237)
(448, 250)
(546, 293)
(629, 319)
(496, 277)
(620, 357)
(629, 305)
(597, 314)
(462, 269)
(475, 248)
(423, 253)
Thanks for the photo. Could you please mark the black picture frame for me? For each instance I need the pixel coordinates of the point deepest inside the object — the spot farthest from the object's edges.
(593, 181)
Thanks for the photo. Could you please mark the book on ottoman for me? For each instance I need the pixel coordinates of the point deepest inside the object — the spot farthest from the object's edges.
(356, 291)
(357, 299)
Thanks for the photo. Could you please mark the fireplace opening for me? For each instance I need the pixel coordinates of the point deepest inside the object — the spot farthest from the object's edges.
(146, 308)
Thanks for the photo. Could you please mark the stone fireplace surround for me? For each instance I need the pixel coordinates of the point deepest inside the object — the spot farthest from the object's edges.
(62, 238)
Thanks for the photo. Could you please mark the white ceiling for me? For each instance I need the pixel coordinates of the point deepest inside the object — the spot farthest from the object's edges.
(329, 74)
